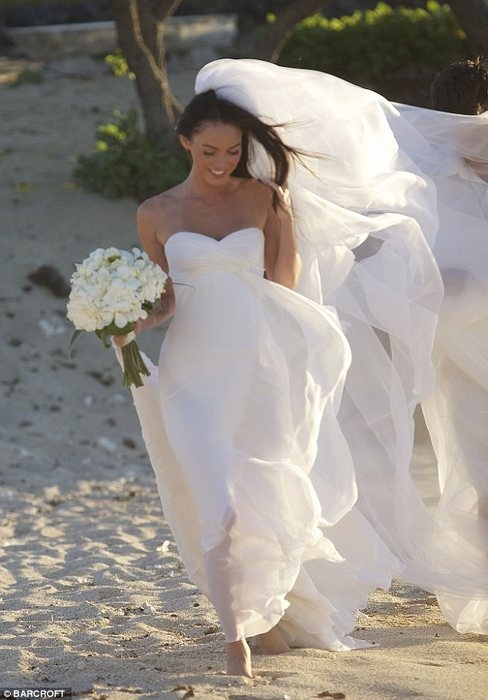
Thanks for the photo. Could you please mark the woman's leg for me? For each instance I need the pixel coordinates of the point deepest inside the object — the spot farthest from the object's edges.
(221, 580)
(239, 659)
(273, 642)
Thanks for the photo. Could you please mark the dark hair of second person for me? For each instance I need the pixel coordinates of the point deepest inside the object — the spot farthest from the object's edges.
(461, 88)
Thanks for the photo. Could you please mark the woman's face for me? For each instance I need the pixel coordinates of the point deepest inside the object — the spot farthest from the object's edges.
(215, 150)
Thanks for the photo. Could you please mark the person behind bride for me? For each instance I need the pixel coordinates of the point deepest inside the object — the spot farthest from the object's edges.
(456, 412)
(240, 417)
(461, 88)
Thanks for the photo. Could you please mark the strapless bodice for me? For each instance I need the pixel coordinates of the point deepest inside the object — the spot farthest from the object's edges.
(191, 254)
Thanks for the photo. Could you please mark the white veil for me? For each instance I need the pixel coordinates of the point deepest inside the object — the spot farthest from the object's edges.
(365, 219)
(457, 411)
(364, 191)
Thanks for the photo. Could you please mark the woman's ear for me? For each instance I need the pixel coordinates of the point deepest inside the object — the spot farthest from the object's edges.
(186, 143)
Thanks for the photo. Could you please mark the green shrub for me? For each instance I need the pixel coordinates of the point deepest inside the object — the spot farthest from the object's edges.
(127, 164)
(118, 65)
(369, 45)
(26, 76)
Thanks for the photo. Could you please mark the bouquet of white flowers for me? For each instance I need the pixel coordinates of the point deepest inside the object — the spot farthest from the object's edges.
(110, 291)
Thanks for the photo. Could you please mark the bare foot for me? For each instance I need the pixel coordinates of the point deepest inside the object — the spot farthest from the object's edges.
(273, 642)
(239, 659)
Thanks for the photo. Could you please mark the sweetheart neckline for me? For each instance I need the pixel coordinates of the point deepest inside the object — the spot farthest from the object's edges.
(217, 240)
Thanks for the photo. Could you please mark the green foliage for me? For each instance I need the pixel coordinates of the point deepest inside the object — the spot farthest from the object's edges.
(118, 65)
(127, 164)
(26, 76)
(369, 45)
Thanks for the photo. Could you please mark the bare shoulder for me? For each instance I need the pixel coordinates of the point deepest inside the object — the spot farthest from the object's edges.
(256, 188)
(153, 207)
(258, 195)
(153, 213)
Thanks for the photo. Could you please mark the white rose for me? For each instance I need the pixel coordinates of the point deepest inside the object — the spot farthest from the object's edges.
(84, 316)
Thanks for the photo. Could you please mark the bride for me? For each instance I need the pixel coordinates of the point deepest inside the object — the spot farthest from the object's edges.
(240, 419)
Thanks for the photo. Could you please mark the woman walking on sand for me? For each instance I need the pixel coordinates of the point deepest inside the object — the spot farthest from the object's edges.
(240, 419)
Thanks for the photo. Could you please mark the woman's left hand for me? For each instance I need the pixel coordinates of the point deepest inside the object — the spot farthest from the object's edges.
(284, 198)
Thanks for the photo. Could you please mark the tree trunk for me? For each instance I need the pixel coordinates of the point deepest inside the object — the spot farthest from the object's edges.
(140, 33)
(277, 34)
(473, 18)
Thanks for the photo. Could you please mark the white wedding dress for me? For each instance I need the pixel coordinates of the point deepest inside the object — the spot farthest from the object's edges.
(284, 475)
(384, 177)
(249, 380)
(366, 218)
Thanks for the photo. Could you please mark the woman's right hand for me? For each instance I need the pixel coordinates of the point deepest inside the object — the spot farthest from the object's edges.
(154, 319)
(121, 340)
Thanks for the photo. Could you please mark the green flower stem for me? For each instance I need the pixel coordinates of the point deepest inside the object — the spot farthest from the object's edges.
(134, 365)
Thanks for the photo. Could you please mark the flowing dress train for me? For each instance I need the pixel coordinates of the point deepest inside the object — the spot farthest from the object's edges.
(366, 218)
(456, 412)
(367, 211)
(249, 379)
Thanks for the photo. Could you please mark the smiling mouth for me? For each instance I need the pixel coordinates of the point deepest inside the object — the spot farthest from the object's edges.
(218, 173)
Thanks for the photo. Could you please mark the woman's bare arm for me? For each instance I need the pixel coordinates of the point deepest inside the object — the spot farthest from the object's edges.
(165, 307)
(282, 260)
(147, 229)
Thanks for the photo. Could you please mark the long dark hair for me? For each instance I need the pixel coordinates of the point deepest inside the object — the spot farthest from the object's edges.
(462, 87)
(208, 107)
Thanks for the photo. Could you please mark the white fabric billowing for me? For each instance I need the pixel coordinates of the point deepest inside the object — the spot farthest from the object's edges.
(249, 375)
(456, 412)
(366, 192)
(376, 183)
(255, 477)
(455, 136)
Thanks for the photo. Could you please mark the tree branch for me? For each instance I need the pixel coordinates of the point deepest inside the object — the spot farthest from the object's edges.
(276, 35)
(139, 37)
(165, 8)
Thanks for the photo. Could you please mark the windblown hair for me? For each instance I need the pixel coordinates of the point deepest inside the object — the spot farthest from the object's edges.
(208, 107)
(462, 88)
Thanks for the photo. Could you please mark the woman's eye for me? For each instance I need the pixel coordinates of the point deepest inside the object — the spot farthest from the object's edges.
(212, 153)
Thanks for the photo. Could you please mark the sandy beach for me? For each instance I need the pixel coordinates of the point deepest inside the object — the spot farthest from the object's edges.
(93, 594)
